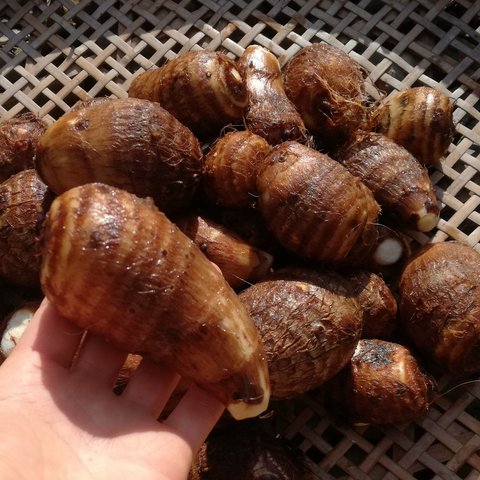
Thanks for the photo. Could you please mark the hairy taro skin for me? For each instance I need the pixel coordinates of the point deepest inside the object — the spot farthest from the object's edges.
(24, 201)
(309, 322)
(420, 119)
(314, 206)
(269, 113)
(230, 168)
(202, 89)
(327, 87)
(382, 384)
(398, 182)
(19, 137)
(115, 265)
(439, 305)
(128, 143)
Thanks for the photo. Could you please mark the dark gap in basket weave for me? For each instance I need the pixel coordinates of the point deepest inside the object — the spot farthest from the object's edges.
(455, 9)
(374, 6)
(355, 454)
(424, 474)
(314, 454)
(467, 226)
(337, 472)
(332, 435)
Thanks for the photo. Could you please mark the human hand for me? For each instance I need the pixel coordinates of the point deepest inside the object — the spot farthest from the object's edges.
(63, 421)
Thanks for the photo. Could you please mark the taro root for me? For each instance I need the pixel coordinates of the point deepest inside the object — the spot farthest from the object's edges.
(439, 305)
(24, 200)
(327, 87)
(269, 113)
(383, 383)
(247, 451)
(19, 137)
(239, 262)
(420, 119)
(111, 256)
(202, 89)
(377, 302)
(317, 209)
(398, 182)
(13, 326)
(230, 168)
(129, 143)
(309, 322)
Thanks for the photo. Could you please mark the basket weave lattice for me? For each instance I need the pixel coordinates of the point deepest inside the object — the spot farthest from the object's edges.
(54, 53)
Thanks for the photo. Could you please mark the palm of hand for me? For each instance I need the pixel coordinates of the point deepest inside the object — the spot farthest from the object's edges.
(66, 423)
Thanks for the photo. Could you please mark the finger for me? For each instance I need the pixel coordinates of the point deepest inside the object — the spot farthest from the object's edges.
(150, 387)
(99, 360)
(195, 416)
(51, 335)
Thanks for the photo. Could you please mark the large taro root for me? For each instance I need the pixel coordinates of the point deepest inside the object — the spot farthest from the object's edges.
(202, 89)
(19, 137)
(382, 383)
(24, 201)
(317, 209)
(439, 305)
(327, 87)
(129, 143)
(309, 322)
(115, 258)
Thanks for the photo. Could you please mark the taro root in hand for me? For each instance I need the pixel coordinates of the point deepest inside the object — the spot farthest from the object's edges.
(383, 383)
(239, 262)
(309, 322)
(129, 143)
(115, 265)
(439, 305)
(202, 89)
(317, 209)
(327, 87)
(269, 113)
(24, 200)
(419, 119)
(398, 182)
(19, 137)
(230, 168)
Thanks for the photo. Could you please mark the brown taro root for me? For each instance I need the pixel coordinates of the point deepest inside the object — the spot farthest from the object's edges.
(19, 137)
(327, 87)
(239, 262)
(377, 302)
(420, 119)
(269, 113)
(203, 89)
(115, 258)
(398, 182)
(230, 168)
(129, 143)
(309, 322)
(439, 305)
(383, 383)
(247, 451)
(24, 201)
(319, 210)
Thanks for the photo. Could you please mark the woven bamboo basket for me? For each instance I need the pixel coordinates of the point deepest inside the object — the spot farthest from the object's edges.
(54, 53)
